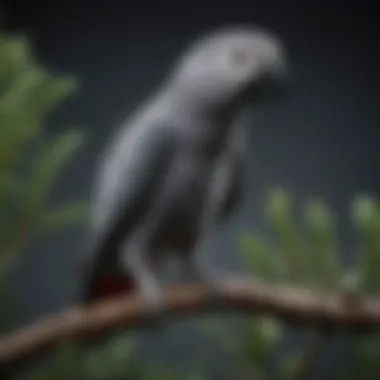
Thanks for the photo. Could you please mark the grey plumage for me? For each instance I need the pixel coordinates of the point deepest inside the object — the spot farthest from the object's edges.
(176, 168)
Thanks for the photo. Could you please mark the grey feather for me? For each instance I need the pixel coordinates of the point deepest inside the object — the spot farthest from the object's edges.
(128, 182)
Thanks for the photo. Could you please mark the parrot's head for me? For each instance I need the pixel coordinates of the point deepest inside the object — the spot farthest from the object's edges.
(233, 66)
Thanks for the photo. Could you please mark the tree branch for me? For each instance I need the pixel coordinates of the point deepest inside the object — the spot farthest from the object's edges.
(297, 305)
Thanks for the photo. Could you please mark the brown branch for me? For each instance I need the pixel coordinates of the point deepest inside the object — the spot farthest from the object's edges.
(297, 305)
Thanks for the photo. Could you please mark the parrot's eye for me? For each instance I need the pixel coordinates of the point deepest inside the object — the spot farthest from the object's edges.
(239, 57)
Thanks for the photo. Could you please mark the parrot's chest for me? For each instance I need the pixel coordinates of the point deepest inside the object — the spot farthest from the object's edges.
(183, 204)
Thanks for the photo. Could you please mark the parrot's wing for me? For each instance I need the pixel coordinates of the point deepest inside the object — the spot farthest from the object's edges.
(231, 175)
(127, 183)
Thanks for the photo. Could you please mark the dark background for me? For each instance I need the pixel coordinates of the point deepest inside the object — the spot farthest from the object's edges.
(323, 140)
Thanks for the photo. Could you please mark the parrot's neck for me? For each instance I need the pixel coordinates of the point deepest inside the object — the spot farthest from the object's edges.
(198, 109)
(207, 127)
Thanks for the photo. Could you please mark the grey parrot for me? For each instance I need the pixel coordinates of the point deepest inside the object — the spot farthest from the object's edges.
(175, 168)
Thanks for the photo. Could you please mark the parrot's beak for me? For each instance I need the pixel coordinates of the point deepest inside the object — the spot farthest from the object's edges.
(272, 85)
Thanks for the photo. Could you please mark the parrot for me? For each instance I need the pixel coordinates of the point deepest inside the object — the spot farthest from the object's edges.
(174, 170)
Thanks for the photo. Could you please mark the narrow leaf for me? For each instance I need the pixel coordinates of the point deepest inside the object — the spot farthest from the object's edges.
(288, 238)
(323, 254)
(366, 218)
(64, 215)
(260, 257)
(45, 169)
(260, 336)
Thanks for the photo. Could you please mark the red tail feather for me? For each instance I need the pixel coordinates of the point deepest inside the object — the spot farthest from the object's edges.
(111, 285)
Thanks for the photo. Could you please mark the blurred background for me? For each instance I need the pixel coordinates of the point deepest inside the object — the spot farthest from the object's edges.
(323, 140)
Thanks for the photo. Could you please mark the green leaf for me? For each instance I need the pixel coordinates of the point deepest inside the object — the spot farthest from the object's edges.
(15, 56)
(19, 124)
(50, 93)
(64, 215)
(260, 336)
(214, 328)
(8, 262)
(288, 366)
(366, 358)
(45, 169)
(67, 361)
(112, 361)
(10, 184)
(363, 211)
(64, 363)
(366, 218)
(288, 238)
(10, 188)
(324, 263)
(260, 257)
(24, 107)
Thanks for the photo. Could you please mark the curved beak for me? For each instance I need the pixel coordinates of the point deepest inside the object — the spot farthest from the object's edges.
(275, 82)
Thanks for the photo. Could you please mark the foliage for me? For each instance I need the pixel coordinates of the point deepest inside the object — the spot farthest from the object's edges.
(308, 257)
(111, 361)
(30, 163)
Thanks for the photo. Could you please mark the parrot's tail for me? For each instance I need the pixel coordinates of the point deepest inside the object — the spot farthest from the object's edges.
(108, 286)
(105, 287)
